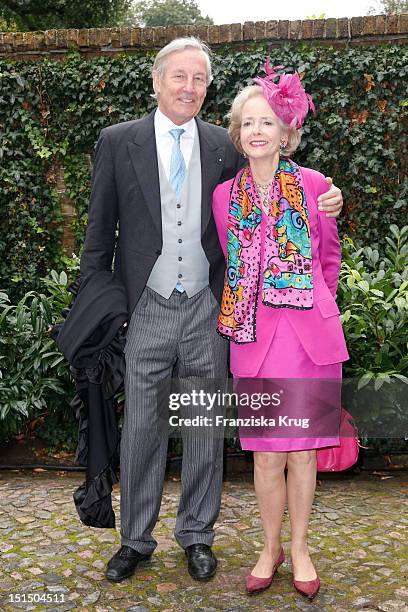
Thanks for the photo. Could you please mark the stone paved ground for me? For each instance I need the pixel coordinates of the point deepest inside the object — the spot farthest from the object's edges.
(358, 539)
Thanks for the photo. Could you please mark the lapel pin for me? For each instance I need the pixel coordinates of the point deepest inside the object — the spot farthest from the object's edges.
(219, 159)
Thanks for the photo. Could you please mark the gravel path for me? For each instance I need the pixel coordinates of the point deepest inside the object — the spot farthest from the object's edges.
(358, 540)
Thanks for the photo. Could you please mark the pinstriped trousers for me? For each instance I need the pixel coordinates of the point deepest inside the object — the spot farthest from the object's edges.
(168, 337)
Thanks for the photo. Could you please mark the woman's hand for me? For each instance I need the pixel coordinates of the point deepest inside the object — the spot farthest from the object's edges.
(331, 202)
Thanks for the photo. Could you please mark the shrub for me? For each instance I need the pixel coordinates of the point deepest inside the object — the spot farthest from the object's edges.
(373, 297)
(34, 376)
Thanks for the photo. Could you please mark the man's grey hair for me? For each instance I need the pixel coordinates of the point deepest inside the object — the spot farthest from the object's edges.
(180, 44)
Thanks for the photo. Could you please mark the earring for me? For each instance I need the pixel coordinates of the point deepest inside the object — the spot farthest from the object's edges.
(282, 146)
(245, 155)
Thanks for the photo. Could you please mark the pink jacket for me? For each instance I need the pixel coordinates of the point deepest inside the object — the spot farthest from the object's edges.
(319, 329)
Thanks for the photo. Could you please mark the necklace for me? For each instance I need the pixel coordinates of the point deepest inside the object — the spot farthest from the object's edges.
(263, 190)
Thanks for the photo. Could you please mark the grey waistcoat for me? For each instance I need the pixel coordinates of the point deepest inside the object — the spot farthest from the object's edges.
(182, 258)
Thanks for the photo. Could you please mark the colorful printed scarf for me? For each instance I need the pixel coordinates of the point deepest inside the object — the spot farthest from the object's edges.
(287, 280)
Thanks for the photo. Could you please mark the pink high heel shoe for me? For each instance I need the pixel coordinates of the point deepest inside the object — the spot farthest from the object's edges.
(255, 584)
(308, 588)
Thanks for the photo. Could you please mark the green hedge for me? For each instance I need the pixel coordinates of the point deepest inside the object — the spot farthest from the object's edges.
(373, 298)
(51, 113)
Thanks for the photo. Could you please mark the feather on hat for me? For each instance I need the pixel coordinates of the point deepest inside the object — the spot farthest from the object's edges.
(287, 97)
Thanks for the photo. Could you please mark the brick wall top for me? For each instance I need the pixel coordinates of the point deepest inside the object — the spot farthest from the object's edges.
(55, 43)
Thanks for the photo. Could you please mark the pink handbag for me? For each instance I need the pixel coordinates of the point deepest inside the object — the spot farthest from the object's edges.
(338, 458)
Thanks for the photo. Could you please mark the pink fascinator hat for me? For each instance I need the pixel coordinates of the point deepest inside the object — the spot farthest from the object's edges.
(287, 97)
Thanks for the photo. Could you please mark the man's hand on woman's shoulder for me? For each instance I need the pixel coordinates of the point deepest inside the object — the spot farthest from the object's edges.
(331, 202)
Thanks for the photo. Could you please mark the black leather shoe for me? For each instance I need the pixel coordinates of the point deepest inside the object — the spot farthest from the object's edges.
(123, 563)
(202, 563)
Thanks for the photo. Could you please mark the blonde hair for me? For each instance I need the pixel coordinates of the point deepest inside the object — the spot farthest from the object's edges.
(235, 115)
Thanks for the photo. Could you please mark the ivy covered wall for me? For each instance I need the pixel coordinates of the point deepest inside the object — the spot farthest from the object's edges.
(51, 113)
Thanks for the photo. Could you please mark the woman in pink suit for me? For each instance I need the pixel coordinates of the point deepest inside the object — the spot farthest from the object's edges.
(278, 307)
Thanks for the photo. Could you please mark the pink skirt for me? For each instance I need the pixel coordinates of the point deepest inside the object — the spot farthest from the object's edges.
(287, 359)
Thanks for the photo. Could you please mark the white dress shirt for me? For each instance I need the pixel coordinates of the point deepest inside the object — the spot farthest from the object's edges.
(165, 141)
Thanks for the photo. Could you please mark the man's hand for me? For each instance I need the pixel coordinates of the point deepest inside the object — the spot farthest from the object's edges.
(331, 202)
